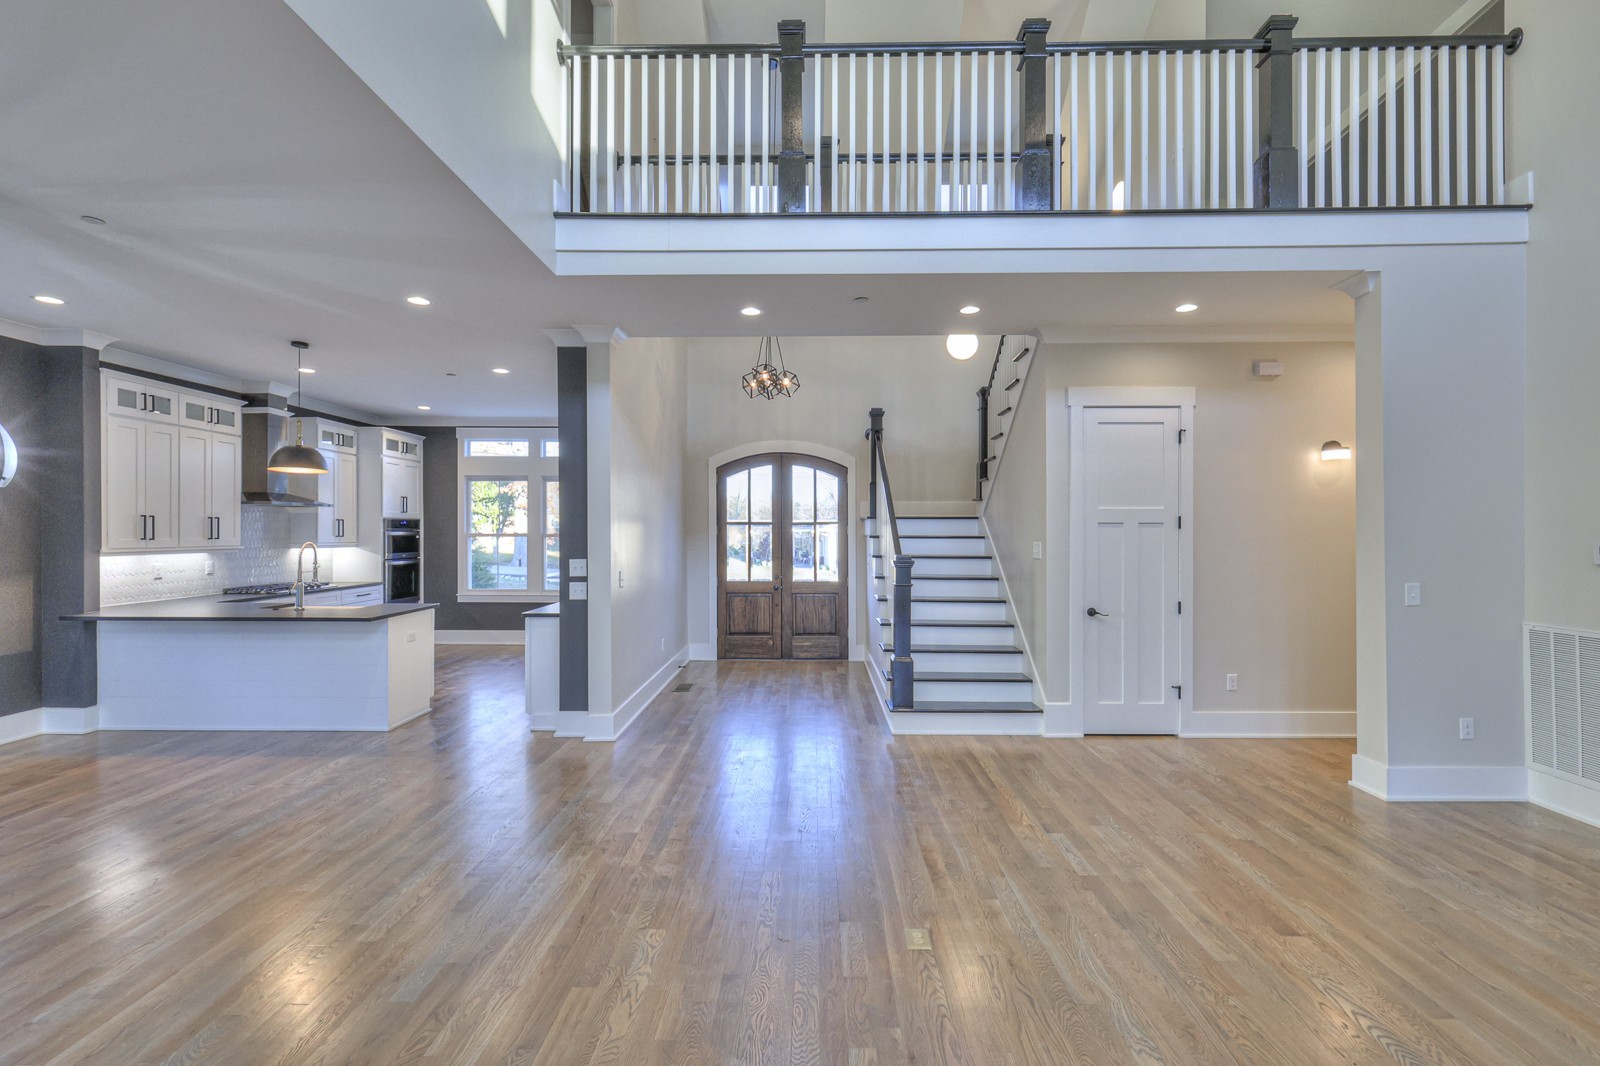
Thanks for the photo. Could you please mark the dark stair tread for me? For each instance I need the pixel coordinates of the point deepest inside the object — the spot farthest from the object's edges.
(941, 536)
(1014, 384)
(950, 599)
(939, 517)
(1002, 414)
(981, 622)
(956, 649)
(997, 436)
(989, 557)
(939, 577)
(1020, 356)
(947, 706)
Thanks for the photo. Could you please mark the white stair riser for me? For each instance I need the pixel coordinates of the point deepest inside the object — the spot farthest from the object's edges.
(942, 545)
(955, 662)
(948, 568)
(956, 634)
(988, 587)
(958, 612)
(973, 691)
(925, 527)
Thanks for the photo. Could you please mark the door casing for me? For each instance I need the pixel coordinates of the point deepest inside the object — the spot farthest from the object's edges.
(1079, 399)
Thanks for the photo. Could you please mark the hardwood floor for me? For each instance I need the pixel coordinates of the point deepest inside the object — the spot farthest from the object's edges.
(733, 882)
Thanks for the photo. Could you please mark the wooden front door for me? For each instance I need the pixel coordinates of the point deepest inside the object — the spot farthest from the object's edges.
(782, 583)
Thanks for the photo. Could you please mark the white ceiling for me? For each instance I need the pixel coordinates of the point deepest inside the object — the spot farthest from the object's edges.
(256, 191)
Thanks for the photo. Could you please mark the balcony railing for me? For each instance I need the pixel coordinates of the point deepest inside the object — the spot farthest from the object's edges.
(1028, 125)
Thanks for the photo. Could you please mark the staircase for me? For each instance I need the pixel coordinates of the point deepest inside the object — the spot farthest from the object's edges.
(970, 672)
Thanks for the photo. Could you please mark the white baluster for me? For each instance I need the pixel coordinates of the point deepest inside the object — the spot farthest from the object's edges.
(1216, 130)
(1410, 194)
(1355, 128)
(1480, 112)
(1446, 186)
(1497, 127)
(1303, 95)
(1094, 136)
(1462, 101)
(1425, 133)
(1391, 158)
(1336, 134)
(1374, 60)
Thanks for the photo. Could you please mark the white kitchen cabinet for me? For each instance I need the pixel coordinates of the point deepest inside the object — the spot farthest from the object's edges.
(170, 476)
(140, 479)
(402, 488)
(366, 595)
(337, 521)
(208, 496)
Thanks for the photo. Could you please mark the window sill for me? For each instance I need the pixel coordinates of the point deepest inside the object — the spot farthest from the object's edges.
(507, 597)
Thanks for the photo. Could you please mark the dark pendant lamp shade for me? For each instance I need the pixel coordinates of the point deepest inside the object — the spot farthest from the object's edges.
(768, 381)
(296, 458)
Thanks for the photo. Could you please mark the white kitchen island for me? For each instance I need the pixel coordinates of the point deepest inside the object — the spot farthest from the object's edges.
(205, 664)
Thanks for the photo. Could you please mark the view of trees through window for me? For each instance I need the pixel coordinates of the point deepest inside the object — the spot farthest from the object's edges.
(497, 533)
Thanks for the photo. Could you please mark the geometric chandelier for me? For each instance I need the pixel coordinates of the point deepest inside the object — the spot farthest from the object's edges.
(768, 381)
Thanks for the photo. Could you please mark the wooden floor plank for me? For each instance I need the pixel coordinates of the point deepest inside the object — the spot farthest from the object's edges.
(733, 882)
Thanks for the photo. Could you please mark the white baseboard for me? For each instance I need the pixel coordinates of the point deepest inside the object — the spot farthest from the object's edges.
(574, 724)
(880, 688)
(49, 721)
(1063, 720)
(1268, 724)
(478, 636)
(21, 726)
(703, 653)
(544, 723)
(965, 723)
(611, 726)
(1370, 776)
(1440, 784)
(1556, 794)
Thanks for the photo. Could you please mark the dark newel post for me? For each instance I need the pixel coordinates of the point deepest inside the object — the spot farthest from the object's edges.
(900, 670)
(1277, 159)
(825, 171)
(983, 439)
(874, 436)
(792, 96)
(1034, 187)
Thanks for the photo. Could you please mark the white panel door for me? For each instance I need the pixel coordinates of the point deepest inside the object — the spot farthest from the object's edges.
(1132, 637)
(225, 472)
(194, 485)
(160, 485)
(127, 526)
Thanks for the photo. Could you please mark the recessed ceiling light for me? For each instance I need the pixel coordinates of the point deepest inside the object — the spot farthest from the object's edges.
(93, 220)
(53, 301)
(859, 299)
(307, 370)
(971, 309)
(750, 312)
(1184, 309)
(423, 407)
(418, 301)
(501, 370)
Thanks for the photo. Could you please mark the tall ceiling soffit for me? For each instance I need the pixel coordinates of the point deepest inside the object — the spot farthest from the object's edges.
(755, 21)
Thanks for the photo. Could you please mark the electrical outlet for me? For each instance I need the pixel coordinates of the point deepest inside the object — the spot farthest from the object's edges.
(619, 579)
(1466, 729)
(1233, 682)
(1597, 555)
(411, 638)
(1413, 594)
(663, 643)
(578, 590)
(1038, 550)
(577, 568)
(211, 566)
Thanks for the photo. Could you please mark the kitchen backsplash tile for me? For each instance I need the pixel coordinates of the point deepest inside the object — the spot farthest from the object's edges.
(266, 554)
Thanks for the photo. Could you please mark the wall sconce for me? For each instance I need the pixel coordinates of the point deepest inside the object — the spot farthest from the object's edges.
(961, 345)
(1332, 449)
(8, 457)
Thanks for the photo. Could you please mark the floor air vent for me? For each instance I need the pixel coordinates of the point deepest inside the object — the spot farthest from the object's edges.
(1564, 701)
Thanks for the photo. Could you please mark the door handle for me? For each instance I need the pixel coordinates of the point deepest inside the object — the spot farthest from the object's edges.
(777, 588)
(1096, 613)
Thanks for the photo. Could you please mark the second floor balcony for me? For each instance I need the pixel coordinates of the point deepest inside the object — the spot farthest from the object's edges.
(1269, 122)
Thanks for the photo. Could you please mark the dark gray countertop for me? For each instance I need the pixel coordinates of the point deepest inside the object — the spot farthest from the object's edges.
(211, 609)
(549, 610)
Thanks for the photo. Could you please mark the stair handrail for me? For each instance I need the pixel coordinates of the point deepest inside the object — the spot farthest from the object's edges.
(983, 418)
(901, 667)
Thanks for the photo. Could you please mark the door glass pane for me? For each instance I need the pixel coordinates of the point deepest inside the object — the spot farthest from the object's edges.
(827, 552)
(760, 553)
(803, 484)
(738, 496)
(761, 494)
(738, 553)
(804, 538)
(827, 497)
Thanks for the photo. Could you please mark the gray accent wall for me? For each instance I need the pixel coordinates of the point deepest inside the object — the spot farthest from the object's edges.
(441, 540)
(572, 418)
(22, 413)
(49, 526)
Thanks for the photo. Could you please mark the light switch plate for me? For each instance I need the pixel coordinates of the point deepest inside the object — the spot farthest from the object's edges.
(1233, 682)
(578, 590)
(1597, 555)
(577, 568)
(1413, 594)
(1038, 550)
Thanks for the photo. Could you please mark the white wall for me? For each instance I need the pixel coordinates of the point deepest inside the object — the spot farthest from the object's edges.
(1331, 18)
(650, 416)
(485, 96)
(1273, 525)
(1551, 73)
(930, 432)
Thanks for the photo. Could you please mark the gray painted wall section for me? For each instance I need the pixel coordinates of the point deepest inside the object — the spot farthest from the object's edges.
(70, 526)
(22, 413)
(572, 417)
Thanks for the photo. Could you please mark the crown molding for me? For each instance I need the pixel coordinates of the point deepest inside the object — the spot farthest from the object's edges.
(1191, 334)
(53, 337)
(1358, 285)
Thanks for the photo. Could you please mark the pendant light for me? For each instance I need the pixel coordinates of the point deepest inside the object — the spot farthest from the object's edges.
(296, 458)
(768, 381)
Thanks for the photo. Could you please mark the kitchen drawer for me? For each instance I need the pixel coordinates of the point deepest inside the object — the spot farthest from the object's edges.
(366, 595)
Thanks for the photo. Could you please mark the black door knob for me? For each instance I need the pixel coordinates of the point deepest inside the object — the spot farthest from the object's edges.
(1094, 613)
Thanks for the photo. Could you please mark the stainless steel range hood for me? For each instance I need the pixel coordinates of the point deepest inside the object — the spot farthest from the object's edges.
(262, 431)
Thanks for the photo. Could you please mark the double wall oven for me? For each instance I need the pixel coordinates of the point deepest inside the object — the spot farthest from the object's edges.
(402, 560)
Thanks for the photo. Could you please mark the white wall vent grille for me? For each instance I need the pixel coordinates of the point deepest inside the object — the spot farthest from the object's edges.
(1564, 701)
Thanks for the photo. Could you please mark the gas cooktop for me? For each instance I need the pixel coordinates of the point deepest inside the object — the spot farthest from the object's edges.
(269, 590)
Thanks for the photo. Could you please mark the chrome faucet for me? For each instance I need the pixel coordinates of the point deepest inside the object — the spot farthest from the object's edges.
(300, 574)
